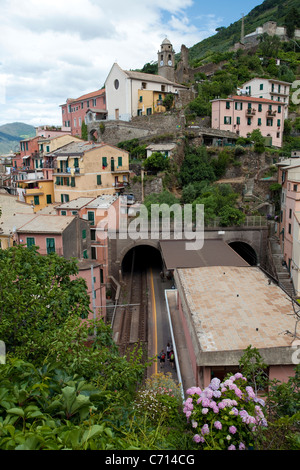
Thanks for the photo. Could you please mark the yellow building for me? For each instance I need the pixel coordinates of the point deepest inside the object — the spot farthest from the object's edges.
(89, 169)
(14, 214)
(39, 193)
(150, 102)
(47, 145)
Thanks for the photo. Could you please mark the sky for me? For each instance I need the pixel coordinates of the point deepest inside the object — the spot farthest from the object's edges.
(51, 50)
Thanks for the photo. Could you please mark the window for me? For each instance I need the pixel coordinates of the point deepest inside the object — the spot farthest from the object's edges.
(227, 120)
(50, 244)
(227, 104)
(295, 187)
(149, 111)
(290, 213)
(47, 148)
(36, 200)
(116, 84)
(75, 123)
(120, 163)
(87, 104)
(260, 108)
(269, 122)
(261, 86)
(99, 180)
(91, 217)
(278, 122)
(238, 120)
(141, 99)
(94, 102)
(49, 199)
(101, 276)
(104, 162)
(249, 121)
(63, 213)
(239, 106)
(93, 252)
(64, 197)
(74, 212)
(84, 234)
(82, 105)
(85, 254)
(279, 109)
(290, 228)
(93, 235)
(72, 182)
(76, 165)
(144, 85)
(30, 241)
(259, 122)
(79, 121)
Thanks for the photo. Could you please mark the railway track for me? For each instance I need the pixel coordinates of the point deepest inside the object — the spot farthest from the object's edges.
(134, 325)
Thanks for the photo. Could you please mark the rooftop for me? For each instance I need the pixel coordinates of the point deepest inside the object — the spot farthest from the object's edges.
(233, 307)
(92, 94)
(213, 253)
(47, 224)
(75, 204)
(102, 202)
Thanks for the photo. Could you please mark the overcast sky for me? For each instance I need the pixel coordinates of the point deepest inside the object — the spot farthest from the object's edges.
(59, 49)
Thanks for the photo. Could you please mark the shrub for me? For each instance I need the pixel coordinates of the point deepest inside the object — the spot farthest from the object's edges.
(225, 415)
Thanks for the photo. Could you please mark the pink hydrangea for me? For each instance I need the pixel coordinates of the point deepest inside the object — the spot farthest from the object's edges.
(232, 429)
(218, 425)
(231, 447)
(194, 390)
(204, 411)
(205, 429)
(242, 446)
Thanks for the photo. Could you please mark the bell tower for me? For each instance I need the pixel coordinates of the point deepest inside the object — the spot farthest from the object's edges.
(166, 60)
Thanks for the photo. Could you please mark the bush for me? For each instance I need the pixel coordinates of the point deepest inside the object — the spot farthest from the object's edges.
(225, 415)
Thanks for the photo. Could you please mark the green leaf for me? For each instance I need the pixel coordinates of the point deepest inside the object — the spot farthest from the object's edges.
(16, 411)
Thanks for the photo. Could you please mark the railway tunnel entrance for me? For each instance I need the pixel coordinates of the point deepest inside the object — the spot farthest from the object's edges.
(142, 258)
(245, 251)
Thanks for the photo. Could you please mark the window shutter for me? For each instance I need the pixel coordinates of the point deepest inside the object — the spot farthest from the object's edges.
(99, 180)
(120, 163)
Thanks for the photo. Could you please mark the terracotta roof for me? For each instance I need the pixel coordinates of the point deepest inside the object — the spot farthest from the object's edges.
(256, 100)
(93, 94)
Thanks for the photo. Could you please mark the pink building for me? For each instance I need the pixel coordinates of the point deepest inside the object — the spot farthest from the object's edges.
(243, 114)
(29, 153)
(74, 111)
(67, 236)
(289, 178)
(225, 309)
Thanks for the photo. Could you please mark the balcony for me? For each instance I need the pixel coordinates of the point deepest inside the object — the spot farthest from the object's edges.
(271, 113)
(250, 112)
(68, 171)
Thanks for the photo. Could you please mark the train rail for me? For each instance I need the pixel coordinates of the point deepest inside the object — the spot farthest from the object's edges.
(134, 325)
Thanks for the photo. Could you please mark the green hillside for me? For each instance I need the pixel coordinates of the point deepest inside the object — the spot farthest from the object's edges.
(11, 134)
(225, 38)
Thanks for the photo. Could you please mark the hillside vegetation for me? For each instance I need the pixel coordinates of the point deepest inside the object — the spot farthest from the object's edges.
(11, 134)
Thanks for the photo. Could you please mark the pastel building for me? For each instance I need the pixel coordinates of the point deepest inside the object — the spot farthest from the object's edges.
(270, 89)
(289, 178)
(89, 169)
(74, 111)
(67, 236)
(218, 324)
(130, 94)
(243, 114)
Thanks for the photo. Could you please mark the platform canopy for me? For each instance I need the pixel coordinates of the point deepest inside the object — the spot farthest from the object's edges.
(213, 253)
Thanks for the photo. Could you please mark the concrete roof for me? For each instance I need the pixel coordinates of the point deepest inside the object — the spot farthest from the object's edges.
(47, 224)
(161, 146)
(10, 222)
(151, 78)
(102, 202)
(75, 204)
(233, 307)
(213, 253)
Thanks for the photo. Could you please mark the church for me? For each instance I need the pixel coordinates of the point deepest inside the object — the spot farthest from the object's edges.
(130, 93)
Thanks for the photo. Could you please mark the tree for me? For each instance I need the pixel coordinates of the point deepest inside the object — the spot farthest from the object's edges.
(196, 166)
(37, 295)
(292, 21)
(84, 131)
(157, 162)
(168, 101)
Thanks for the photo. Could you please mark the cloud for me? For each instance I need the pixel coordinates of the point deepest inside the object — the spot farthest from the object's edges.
(52, 50)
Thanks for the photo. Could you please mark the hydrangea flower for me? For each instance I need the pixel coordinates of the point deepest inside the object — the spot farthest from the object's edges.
(218, 425)
(232, 429)
(205, 429)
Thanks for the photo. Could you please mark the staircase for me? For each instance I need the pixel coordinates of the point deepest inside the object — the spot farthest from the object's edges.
(282, 273)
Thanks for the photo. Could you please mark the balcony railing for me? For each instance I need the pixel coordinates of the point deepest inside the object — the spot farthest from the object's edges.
(250, 112)
(271, 113)
(68, 171)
